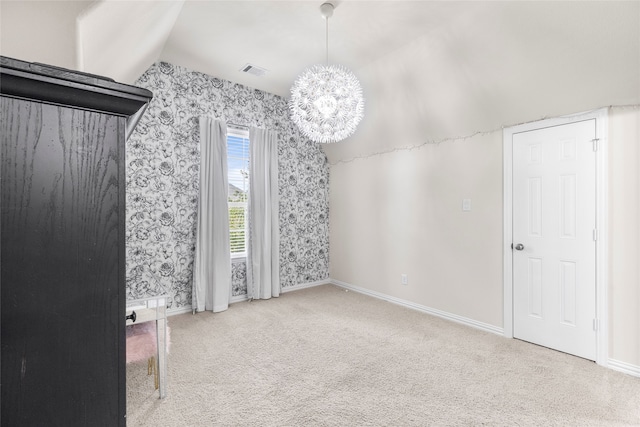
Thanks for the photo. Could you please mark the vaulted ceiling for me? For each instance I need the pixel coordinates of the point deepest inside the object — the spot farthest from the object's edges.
(429, 69)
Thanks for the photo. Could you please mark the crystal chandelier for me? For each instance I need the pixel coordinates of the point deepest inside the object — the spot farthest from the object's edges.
(326, 100)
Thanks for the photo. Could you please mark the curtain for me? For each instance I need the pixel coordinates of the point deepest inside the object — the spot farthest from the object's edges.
(212, 265)
(263, 254)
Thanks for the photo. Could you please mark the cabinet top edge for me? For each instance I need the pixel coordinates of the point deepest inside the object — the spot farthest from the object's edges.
(53, 85)
(11, 65)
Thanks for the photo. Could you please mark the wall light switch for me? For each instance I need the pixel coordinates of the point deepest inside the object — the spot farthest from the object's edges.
(404, 279)
(466, 205)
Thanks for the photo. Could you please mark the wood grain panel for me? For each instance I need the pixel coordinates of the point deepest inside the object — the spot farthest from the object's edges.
(60, 239)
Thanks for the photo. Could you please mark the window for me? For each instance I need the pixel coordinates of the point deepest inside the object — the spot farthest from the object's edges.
(238, 169)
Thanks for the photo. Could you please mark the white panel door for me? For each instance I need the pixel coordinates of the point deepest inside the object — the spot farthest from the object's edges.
(554, 222)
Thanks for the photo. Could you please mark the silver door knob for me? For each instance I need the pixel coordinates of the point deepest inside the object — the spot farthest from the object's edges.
(519, 247)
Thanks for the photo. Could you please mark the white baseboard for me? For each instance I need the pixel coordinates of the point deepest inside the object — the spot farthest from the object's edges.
(241, 298)
(238, 298)
(624, 367)
(432, 311)
(181, 310)
(305, 285)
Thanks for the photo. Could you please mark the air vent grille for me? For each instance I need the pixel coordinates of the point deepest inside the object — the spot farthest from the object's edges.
(253, 69)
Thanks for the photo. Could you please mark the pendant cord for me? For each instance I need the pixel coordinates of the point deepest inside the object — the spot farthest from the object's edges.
(327, 38)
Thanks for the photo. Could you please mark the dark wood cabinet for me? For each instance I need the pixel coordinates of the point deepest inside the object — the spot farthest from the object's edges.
(62, 245)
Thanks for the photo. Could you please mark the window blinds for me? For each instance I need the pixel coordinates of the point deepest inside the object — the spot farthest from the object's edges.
(238, 169)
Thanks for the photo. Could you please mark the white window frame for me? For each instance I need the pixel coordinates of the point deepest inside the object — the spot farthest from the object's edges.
(244, 134)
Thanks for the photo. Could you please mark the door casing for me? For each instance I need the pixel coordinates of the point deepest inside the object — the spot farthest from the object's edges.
(601, 117)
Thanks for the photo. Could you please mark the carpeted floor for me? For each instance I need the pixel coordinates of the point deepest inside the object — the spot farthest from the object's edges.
(326, 357)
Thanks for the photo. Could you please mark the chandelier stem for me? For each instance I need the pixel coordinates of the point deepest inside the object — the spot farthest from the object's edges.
(327, 38)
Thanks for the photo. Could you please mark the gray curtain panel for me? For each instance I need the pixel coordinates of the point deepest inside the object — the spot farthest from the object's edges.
(263, 266)
(212, 264)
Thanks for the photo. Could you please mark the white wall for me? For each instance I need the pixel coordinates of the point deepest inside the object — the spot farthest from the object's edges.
(624, 235)
(401, 213)
(40, 31)
(122, 39)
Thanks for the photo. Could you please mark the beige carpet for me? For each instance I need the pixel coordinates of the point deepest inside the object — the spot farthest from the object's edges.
(326, 357)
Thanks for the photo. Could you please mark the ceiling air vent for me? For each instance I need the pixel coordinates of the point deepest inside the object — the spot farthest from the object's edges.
(252, 69)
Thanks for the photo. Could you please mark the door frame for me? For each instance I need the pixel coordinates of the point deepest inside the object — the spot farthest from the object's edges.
(602, 203)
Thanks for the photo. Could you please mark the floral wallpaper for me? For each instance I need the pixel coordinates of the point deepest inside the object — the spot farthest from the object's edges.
(163, 157)
(238, 277)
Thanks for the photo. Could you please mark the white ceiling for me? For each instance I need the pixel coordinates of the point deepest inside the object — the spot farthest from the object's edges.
(429, 69)
(220, 37)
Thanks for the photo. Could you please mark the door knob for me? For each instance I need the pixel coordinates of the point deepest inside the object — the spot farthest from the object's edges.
(519, 247)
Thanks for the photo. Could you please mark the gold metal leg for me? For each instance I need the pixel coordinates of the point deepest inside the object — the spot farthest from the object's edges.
(152, 368)
(151, 365)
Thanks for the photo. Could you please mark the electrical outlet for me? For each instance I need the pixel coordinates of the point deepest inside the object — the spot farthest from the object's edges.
(404, 279)
(466, 205)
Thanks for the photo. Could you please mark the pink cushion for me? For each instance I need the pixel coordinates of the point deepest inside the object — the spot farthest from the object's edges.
(141, 341)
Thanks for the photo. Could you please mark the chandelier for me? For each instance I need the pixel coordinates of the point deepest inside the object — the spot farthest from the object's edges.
(326, 100)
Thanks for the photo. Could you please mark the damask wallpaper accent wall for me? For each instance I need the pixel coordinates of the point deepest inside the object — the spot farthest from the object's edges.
(163, 158)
